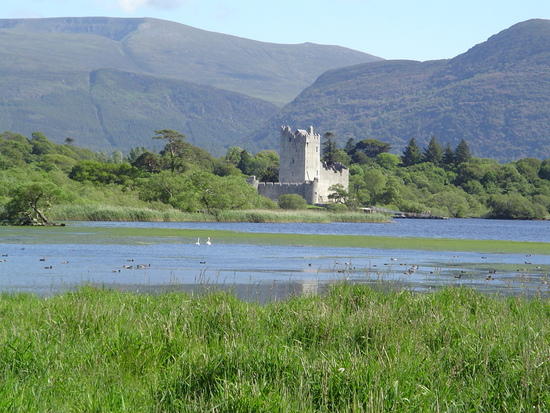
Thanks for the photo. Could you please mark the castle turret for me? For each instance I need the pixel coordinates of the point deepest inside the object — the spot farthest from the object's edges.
(300, 155)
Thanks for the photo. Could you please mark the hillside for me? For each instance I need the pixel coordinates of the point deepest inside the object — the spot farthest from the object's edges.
(273, 72)
(108, 109)
(496, 96)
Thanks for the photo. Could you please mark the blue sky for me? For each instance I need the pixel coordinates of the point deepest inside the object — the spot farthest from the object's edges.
(406, 29)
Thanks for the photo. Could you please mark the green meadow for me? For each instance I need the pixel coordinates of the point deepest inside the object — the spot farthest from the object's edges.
(353, 349)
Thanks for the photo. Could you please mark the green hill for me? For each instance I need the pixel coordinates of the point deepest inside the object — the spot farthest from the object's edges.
(273, 72)
(496, 96)
(109, 109)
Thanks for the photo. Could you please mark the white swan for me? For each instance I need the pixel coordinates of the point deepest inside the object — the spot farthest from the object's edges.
(198, 241)
(208, 242)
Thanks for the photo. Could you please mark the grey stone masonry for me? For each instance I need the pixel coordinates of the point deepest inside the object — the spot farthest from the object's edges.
(301, 170)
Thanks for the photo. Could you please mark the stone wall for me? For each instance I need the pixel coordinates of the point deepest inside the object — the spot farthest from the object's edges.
(331, 175)
(273, 190)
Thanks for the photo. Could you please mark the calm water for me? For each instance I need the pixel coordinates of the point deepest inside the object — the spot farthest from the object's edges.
(29, 263)
(450, 228)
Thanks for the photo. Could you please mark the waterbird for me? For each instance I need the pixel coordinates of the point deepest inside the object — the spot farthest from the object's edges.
(202, 262)
(208, 242)
(198, 241)
(42, 259)
(489, 277)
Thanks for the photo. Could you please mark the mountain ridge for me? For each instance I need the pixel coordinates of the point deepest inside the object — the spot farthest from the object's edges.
(269, 71)
(498, 100)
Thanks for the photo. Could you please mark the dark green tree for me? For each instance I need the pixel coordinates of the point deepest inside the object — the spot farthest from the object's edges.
(433, 152)
(350, 146)
(372, 147)
(329, 148)
(29, 203)
(411, 154)
(173, 147)
(246, 163)
(40, 144)
(462, 152)
(544, 171)
(448, 156)
(148, 162)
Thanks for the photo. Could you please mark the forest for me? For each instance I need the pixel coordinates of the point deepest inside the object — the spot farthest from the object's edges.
(37, 174)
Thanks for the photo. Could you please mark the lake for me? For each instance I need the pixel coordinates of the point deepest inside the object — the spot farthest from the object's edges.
(30, 263)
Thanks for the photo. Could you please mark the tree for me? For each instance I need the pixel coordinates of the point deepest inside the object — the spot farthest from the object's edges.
(329, 148)
(544, 171)
(135, 153)
(350, 146)
(30, 202)
(148, 162)
(173, 146)
(448, 156)
(462, 153)
(233, 155)
(411, 154)
(339, 195)
(372, 147)
(433, 152)
(40, 144)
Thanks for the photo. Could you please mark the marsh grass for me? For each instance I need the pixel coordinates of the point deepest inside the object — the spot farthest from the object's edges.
(353, 349)
(94, 212)
(308, 215)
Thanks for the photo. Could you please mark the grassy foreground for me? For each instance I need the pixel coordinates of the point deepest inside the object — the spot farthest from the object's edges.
(125, 213)
(354, 349)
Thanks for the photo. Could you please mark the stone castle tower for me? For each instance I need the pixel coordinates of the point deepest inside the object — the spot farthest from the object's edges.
(300, 155)
(301, 170)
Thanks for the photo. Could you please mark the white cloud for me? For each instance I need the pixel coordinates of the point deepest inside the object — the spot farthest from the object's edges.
(133, 5)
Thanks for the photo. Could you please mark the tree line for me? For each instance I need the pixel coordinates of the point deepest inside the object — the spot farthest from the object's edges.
(36, 173)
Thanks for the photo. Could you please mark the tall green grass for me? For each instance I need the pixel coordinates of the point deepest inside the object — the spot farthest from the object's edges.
(95, 212)
(354, 349)
(315, 216)
(122, 213)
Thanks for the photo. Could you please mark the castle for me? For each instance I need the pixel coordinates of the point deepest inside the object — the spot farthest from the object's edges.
(301, 170)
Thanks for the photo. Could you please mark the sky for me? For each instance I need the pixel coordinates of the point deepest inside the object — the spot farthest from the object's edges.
(392, 29)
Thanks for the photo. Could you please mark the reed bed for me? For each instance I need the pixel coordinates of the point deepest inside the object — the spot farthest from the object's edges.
(353, 349)
(93, 212)
(313, 216)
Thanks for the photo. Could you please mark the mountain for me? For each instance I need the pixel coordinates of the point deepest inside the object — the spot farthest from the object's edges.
(108, 109)
(272, 72)
(496, 96)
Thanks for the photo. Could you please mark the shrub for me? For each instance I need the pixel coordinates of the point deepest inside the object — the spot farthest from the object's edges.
(292, 201)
